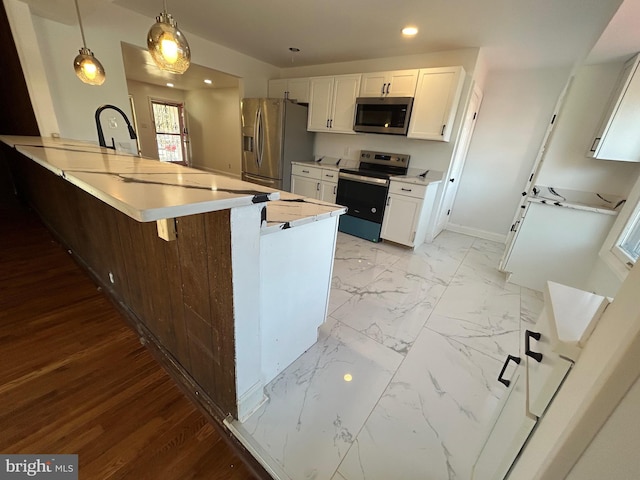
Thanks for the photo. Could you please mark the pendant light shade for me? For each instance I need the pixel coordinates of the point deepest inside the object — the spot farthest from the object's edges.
(167, 45)
(88, 68)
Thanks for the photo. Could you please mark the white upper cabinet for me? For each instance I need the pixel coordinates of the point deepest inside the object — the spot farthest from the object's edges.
(435, 104)
(332, 103)
(617, 137)
(400, 83)
(292, 88)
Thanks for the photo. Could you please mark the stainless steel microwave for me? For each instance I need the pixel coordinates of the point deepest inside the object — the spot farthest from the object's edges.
(388, 115)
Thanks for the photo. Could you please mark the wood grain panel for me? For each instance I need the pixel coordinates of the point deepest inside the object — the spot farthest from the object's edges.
(180, 291)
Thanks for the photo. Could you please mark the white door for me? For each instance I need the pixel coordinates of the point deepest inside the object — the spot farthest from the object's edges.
(509, 433)
(328, 192)
(459, 157)
(399, 222)
(346, 88)
(320, 95)
(307, 187)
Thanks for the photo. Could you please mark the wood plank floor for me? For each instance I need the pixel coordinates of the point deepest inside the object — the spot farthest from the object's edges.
(75, 379)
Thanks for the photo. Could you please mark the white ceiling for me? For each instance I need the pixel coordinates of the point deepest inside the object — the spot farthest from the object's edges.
(512, 33)
(138, 65)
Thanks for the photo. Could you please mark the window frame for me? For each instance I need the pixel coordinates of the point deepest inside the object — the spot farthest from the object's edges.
(611, 253)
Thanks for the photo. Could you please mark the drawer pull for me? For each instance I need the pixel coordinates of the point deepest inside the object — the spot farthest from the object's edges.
(406, 189)
(305, 171)
(327, 175)
(537, 356)
(504, 381)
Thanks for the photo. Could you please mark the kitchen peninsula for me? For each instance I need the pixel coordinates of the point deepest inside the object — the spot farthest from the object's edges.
(230, 280)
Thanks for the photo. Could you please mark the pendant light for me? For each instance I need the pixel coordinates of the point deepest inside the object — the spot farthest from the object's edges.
(167, 45)
(87, 67)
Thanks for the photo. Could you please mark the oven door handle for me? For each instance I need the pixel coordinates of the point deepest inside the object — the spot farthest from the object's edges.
(364, 179)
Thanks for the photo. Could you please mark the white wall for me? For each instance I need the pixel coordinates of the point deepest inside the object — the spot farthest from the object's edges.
(565, 163)
(516, 110)
(142, 94)
(614, 451)
(215, 129)
(108, 25)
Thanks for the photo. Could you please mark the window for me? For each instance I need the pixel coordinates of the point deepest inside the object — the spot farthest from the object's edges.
(621, 249)
(169, 127)
(627, 248)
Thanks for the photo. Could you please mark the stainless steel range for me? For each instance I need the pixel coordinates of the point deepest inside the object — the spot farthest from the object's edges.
(364, 192)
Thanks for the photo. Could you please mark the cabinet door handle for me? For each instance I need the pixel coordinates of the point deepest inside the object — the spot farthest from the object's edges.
(335, 189)
(388, 85)
(406, 189)
(388, 201)
(443, 127)
(537, 356)
(318, 187)
(383, 85)
(327, 123)
(504, 381)
(331, 123)
(594, 144)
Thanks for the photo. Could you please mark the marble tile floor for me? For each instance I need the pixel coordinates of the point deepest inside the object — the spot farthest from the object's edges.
(402, 382)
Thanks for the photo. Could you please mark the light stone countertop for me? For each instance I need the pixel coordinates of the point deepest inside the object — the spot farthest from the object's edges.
(149, 190)
(413, 177)
(577, 200)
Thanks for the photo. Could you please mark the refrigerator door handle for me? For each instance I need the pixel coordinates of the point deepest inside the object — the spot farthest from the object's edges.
(256, 140)
(261, 138)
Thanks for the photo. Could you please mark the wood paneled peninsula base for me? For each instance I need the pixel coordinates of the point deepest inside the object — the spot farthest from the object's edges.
(229, 280)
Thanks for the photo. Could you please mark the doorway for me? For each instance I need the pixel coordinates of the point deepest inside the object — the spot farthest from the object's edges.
(170, 131)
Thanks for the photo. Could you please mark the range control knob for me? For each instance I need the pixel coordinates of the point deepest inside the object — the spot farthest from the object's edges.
(374, 210)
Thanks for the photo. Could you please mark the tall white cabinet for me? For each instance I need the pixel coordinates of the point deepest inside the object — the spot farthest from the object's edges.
(551, 348)
(332, 103)
(436, 102)
(617, 137)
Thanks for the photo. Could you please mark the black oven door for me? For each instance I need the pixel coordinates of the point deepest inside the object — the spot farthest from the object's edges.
(364, 197)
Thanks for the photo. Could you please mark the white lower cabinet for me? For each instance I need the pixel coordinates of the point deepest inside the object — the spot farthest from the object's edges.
(314, 182)
(510, 431)
(551, 347)
(305, 180)
(329, 185)
(408, 212)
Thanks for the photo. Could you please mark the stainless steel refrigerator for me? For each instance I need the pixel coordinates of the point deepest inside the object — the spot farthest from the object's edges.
(274, 133)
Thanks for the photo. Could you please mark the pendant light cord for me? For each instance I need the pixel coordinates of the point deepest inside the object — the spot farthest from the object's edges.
(84, 42)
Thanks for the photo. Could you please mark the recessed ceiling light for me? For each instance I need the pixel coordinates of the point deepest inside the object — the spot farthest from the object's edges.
(169, 84)
(409, 31)
(208, 81)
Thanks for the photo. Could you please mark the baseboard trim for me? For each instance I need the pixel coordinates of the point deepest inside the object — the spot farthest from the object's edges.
(475, 232)
(268, 463)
